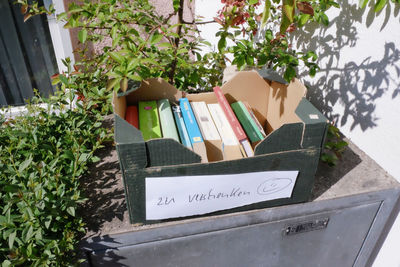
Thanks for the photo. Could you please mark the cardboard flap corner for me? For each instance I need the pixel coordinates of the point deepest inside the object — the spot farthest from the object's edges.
(232, 152)
(130, 144)
(271, 75)
(315, 124)
(154, 89)
(283, 101)
(125, 133)
(250, 87)
(167, 151)
(286, 138)
(214, 150)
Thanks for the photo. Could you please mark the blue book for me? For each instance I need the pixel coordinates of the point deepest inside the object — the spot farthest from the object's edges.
(193, 129)
(183, 134)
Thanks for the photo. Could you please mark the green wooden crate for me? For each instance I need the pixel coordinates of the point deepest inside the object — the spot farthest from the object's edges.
(296, 135)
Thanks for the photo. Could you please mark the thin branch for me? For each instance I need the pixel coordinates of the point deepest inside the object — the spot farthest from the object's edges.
(198, 23)
(168, 17)
(177, 40)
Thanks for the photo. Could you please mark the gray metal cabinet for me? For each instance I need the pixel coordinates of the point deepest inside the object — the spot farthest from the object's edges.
(344, 225)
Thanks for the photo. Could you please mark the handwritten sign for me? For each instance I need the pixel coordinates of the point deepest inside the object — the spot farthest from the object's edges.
(172, 197)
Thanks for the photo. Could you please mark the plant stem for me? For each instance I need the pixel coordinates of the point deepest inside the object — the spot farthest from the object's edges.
(177, 40)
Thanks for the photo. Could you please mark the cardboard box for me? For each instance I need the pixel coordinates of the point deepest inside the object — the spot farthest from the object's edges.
(295, 128)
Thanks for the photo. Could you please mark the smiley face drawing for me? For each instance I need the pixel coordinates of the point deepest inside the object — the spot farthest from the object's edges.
(273, 185)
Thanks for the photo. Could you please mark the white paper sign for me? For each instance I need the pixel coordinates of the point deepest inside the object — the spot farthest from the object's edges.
(171, 197)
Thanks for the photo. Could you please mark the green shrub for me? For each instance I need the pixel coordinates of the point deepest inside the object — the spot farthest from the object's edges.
(42, 155)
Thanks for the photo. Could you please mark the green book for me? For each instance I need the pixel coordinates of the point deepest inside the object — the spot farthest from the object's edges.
(149, 122)
(168, 127)
(247, 122)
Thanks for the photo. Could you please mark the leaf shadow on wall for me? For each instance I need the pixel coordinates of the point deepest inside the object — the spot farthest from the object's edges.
(356, 86)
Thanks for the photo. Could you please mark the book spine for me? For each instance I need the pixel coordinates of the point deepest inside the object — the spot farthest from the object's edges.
(131, 116)
(149, 122)
(167, 121)
(253, 116)
(224, 128)
(181, 127)
(246, 121)
(190, 121)
(205, 122)
(230, 115)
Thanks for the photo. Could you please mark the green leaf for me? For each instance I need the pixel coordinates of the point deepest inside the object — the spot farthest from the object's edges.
(287, 15)
(115, 41)
(176, 4)
(363, 3)
(288, 9)
(11, 239)
(112, 83)
(113, 32)
(11, 188)
(55, 80)
(313, 71)
(148, 61)
(165, 44)
(83, 157)
(379, 5)
(29, 233)
(252, 2)
(73, 8)
(289, 74)
(205, 42)
(82, 35)
(222, 43)
(124, 84)
(341, 144)
(134, 77)
(155, 38)
(95, 159)
(262, 60)
(324, 19)
(71, 211)
(6, 263)
(250, 61)
(47, 223)
(285, 23)
(117, 57)
(133, 63)
(24, 164)
(266, 13)
(62, 16)
(63, 79)
(269, 35)
(303, 19)
(97, 124)
(182, 51)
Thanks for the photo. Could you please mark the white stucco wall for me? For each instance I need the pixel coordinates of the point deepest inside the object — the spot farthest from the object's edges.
(358, 86)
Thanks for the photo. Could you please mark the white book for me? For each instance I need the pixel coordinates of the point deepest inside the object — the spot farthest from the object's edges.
(205, 122)
(231, 146)
(224, 128)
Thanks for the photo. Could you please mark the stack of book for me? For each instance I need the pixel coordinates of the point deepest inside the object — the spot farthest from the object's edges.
(215, 131)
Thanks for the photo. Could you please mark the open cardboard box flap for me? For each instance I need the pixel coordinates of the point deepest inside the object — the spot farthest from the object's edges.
(274, 106)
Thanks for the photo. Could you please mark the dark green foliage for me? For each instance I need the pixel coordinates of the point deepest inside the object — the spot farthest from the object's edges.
(334, 146)
(42, 155)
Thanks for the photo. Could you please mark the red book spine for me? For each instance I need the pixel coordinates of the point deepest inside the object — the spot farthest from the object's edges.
(131, 116)
(230, 115)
